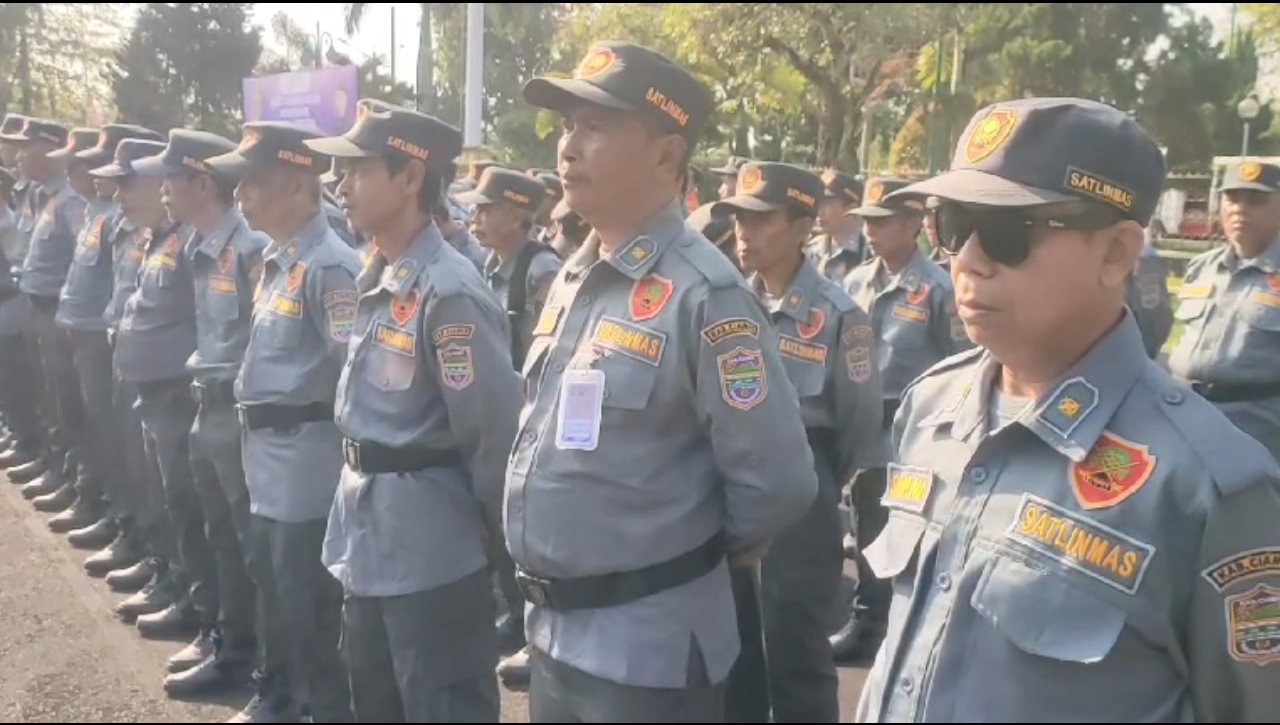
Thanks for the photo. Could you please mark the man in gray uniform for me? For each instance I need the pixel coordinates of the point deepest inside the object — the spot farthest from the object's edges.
(519, 271)
(1229, 305)
(826, 343)
(913, 313)
(428, 402)
(134, 559)
(304, 313)
(660, 434)
(58, 216)
(157, 336)
(842, 246)
(1148, 298)
(224, 257)
(1074, 536)
(82, 301)
(17, 376)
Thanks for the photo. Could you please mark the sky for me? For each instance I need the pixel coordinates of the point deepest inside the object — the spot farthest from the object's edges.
(375, 35)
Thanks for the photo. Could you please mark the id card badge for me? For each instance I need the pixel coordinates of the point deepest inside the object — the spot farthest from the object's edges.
(581, 403)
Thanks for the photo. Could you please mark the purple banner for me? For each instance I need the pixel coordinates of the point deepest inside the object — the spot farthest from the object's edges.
(322, 97)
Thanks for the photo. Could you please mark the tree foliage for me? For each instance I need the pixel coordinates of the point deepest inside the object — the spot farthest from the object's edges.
(183, 65)
(64, 45)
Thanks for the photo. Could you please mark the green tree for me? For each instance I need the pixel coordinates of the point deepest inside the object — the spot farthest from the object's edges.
(300, 44)
(355, 14)
(183, 65)
(53, 54)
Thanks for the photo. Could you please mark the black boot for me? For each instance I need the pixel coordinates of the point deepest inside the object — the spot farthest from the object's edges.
(56, 502)
(510, 632)
(859, 639)
(156, 596)
(121, 553)
(514, 670)
(224, 666)
(132, 578)
(84, 512)
(200, 649)
(176, 620)
(96, 536)
(18, 454)
(28, 472)
(269, 703)
(50, 482)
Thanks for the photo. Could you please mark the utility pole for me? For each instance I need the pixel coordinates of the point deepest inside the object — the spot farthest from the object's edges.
(473, 111)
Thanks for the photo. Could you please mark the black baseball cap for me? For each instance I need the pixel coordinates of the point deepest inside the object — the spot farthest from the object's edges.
(630, 77)
(1251, 176)
(40, 129)
(11, 127)
(716, 224)
(768, 185)
(1038, 151)
(79, 139)
(842, 186)
(549, 179)
(109, 137)
(878, 203)
(271, 144)
(382, 129)
(128, 153)
(187, 151)
(505, 186)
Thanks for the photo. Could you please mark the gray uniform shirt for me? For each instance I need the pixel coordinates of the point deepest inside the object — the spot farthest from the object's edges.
(224, 267)
(835, 259)
(128, 251)
(1148, 297)
(542, 271)
(59, 216)
(700, 433)
(1110, 556)
(13, 311)
(1230, 310)
(158, 330)
(429, 366)
(89, 279)
(304, 314)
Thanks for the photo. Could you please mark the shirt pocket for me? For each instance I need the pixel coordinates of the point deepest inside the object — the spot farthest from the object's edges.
(1261, 311)
(894, 550)
(1044, 614)
(389, 370)
(808, 378)
(628, 385)
(87, 255)
(1190, 309)
(276, 330)
(223, 304)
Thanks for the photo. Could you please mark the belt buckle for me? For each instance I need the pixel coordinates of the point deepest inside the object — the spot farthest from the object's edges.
(351, 451)
(241, 415)
(197, 391)
(535, 589)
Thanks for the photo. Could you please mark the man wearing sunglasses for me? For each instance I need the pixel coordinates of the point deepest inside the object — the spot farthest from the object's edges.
(913, 314)
(1077, 537)
(1073, 536)
(1229, 305)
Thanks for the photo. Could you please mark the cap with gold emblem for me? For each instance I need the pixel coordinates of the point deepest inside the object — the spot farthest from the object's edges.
(128, 153)
(11, 127)
(382, 129)
(187, 152)
(273, 144)
(1252, 176)
(79, 139)
(876, 204)
(39, 129)
(767, 185)
(505, 186)
(109, 137)
(630, 77)
(842, 186)
(1038, 151)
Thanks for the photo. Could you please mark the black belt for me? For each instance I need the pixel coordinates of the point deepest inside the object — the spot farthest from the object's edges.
(611, 590)
(213, 392)
(44, 304)
(368, 457)
(890, 410)
(283, 417)
(1235, 392)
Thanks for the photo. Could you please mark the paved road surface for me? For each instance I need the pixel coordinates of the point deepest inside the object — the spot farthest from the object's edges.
(64, 657)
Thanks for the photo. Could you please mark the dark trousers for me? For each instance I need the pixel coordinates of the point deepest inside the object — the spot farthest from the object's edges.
(167, 413)
(217, 472)
(799, 578)
(141, 492)
(560, 693)
(870, 518)
(61, 407)
(747, 691)
(424, 657)
(100, 436)
(307, 605)
(19, 396)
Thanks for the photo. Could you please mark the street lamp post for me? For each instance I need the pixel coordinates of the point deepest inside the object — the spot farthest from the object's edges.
(1248, 109)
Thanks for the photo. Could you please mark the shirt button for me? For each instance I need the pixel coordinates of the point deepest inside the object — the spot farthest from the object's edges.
(907, 685)
(528, 436)
(978, 474)
(584, 301)
(558, 366)
(1174, 397)
(944, 582)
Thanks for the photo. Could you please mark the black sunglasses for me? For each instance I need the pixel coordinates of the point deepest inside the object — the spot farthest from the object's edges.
(1006, 235)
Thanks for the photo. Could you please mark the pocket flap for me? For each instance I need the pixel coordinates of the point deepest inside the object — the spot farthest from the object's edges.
(892, 551)
(1044, 614)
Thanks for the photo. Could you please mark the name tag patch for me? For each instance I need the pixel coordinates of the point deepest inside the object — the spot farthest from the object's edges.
(1242, 566)
(1253, 623)
(801, 350)
(908, 488)
(452, 332)
(1265, 297)
(857, 333)
(1091, 548)
(730, 327)
(395, 339)
(911, 313)
(547, 320)
(283, 304)
(1195, 292)
(635, 342)
(221, 284)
